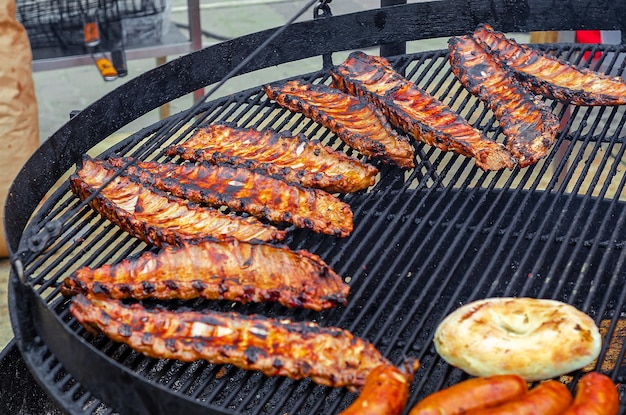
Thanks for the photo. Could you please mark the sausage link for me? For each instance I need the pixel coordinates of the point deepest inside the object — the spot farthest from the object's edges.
(476, 393)
(386, 391)
(596, 394)
(548, 398)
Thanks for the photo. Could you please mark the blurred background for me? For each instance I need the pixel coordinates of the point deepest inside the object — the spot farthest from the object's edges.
(161, 34)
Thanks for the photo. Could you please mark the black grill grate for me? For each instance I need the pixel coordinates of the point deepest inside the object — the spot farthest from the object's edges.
(424, 242)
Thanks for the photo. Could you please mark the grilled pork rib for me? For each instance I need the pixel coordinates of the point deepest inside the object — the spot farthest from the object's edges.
(218, 270)
(248, 191)
(155, 217)
(355, 122)
(293, 157)
(328, 355)
(551, 77)
(526, 121)
(416, 112)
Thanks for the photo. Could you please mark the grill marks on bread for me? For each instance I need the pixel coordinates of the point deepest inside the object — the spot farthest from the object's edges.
(356, 123)
(248, 191)
(156, 217)
(295, 158)
(218, 270)
(330, 356)
(526, 121)
(551, 77)
(416, 112)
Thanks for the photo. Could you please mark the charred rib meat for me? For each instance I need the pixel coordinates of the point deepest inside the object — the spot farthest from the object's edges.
(295, 158)
(355, 122)
(526, 121)
(552, 77)
(248, 191)
(328, 355)
(218, 270)
(155, 217)
(415, 111)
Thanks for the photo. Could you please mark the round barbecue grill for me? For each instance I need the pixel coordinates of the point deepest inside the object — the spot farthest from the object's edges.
(425, 241)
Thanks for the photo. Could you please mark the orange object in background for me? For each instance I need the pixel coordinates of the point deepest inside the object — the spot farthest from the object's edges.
(589, 36)
(91, 34)
(605, 37)
(106, 68)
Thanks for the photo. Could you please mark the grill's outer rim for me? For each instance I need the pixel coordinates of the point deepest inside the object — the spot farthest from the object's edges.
(31, 304)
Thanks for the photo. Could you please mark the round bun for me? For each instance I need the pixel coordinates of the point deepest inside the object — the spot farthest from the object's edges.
(536, 339)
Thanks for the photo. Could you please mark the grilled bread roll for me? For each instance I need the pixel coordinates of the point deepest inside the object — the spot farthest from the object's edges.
(536, 339)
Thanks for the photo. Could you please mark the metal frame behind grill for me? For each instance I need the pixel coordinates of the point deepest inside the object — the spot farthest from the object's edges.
(421, 237)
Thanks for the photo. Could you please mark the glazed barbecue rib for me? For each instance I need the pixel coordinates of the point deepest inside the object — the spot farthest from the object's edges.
(330, 356)
(217, 270)
(551, 77)
(415, 111)
(248, 191)
(293, 157)
(155, 217)
(355, 122)
(526, 121)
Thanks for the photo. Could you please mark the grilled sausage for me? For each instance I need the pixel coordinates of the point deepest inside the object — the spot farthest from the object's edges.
(248, 191)
(475, 393)
(529, 125)
(548, 398)
(386, 391)
(551, 77)
(156, 217)
(416, 112)
(330, 356)
(355, 122)
(596, 394)
(292, 157)
(218, 270)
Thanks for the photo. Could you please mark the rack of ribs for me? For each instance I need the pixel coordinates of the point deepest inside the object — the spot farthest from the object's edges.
(247, 191)
(295, 158)
(217, 270)
(526, 121)
(551, 77)
(330, 356)
(416, 112)
(156, 217)
(355, 122)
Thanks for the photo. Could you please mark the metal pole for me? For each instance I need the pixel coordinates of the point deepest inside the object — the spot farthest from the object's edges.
(397, 48)
(195, 34)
